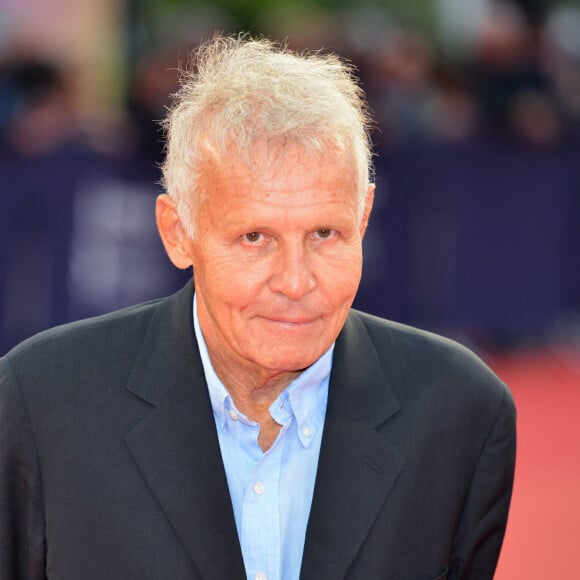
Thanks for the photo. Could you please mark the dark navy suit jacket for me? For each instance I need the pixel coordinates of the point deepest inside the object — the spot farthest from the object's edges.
(110, 466)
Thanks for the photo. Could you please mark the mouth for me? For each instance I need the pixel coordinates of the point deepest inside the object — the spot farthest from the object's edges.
(291, 322)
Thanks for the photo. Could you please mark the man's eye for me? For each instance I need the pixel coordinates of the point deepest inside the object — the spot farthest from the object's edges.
(253, 237)
(324, 233)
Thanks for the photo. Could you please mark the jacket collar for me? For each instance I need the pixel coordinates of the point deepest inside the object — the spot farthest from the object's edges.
(167, 348)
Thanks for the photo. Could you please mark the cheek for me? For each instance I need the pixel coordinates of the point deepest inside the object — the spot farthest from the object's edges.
(340, 279)
(234, 284)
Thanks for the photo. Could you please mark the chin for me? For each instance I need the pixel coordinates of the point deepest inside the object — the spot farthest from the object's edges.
(291, 363)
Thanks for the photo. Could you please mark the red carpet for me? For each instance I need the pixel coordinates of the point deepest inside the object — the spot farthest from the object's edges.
(543, 536)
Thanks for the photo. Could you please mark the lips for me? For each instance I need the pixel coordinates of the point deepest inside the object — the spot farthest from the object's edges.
(298, 321)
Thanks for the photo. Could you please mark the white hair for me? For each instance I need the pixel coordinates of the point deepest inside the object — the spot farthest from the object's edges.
(239, 90)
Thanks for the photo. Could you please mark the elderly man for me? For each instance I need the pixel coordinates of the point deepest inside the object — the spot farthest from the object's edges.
(252, 425)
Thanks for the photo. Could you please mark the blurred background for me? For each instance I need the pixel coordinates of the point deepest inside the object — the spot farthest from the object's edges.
(475, 232)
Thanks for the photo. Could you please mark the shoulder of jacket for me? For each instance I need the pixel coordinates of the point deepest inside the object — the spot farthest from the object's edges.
(83, 333)
(429, 357)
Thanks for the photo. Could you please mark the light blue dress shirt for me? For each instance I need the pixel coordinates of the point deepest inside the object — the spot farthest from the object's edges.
(271, 492)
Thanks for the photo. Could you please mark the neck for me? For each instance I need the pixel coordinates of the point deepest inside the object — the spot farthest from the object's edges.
(253, 390)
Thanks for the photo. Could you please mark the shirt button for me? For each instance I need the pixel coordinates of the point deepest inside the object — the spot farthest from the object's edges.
(233, 415)
(307, 432)
(259, 490)
(261, 576)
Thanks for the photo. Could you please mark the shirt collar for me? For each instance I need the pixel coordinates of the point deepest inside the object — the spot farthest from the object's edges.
(307, 394)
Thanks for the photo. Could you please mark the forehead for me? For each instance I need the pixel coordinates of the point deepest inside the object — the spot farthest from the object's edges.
(271, 169)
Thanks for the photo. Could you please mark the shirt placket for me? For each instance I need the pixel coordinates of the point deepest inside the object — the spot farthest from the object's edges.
(261, 518)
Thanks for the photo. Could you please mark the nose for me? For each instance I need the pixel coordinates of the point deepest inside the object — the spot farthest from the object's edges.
(293, 274)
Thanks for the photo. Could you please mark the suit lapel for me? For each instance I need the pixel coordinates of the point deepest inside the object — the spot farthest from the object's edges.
(176, 446)
(357, 466)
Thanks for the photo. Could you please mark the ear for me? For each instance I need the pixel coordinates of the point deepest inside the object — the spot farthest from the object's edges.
(173, 236)
(369, 199)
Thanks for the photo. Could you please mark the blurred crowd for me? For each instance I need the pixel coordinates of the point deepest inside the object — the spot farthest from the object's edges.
(77, 230)
(478, 146)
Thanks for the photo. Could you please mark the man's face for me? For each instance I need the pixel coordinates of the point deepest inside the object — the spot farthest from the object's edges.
(277, 258)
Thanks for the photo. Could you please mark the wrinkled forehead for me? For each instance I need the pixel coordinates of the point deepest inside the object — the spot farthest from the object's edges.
(272, 157)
